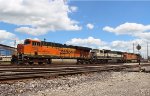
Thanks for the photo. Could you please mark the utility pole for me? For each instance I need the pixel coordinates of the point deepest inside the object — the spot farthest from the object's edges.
(147, 51)
(133, 47)
(138, 47)
(15, 43)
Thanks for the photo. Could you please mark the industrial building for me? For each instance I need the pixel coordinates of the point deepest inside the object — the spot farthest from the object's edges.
(6, 52)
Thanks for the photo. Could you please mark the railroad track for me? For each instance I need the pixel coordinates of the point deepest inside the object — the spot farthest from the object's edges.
(15, 73)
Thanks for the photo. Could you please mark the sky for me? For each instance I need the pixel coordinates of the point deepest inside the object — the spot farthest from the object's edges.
(110, 24)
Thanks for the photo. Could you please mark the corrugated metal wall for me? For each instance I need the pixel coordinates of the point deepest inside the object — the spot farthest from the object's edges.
(6, 50)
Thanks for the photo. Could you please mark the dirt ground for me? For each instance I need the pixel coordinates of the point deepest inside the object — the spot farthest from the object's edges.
(119, 84)
(94, 84)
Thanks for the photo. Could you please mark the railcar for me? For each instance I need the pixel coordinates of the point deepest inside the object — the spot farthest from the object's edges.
(35, 51)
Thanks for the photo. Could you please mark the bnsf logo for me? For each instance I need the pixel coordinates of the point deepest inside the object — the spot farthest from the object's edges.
(65, 51)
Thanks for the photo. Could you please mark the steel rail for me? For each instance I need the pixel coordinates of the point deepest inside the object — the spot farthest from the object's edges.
(22, 73)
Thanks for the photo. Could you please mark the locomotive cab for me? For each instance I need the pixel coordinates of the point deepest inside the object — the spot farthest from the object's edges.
(27, 50)
(27, 42)
(21, 47)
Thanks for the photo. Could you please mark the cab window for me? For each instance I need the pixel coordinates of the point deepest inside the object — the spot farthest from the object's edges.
(27, 42)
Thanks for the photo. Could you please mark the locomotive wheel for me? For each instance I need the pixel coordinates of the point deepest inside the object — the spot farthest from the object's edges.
(40, 63)
(94, 62)
(30, 63)
(91, 62)
(20, 63)
(84, 62)
(49, 61)
(87, 62)
(78, 62)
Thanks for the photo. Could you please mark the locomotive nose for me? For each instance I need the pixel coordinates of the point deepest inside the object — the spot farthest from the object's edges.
(20, 48)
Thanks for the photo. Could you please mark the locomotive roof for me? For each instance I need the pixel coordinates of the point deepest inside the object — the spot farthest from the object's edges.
(32, 40)
(131, 53)
(118, 52)
(64, 45)
(109, 51)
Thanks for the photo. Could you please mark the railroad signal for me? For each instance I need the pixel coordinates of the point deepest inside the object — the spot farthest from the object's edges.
(138, 47)
(44, 39)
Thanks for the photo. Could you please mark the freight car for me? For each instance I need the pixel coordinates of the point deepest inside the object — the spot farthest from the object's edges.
(34, 51)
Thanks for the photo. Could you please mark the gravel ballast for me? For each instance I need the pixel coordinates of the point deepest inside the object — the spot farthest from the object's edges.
(93, 84)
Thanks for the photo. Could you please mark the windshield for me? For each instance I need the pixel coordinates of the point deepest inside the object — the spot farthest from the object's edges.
(27, 42)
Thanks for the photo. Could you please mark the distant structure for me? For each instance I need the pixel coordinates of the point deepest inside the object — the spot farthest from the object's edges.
(6, 50)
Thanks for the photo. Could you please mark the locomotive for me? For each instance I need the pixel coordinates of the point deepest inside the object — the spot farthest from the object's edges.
(35, 51)
(105, 56)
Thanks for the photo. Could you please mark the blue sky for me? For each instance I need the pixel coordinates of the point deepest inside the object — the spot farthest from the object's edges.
(111, 13)
(115, 24)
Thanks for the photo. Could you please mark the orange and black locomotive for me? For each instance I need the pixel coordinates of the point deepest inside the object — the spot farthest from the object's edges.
(35, 51)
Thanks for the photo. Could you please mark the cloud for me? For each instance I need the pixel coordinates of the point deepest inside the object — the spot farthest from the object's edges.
(73, 8)
(126, 45)
(36, 39)
(7, 37)
(38, 17)
(32, 31)
(143, 35)
(14, 42)
(129, 29)
(88, 42)
(10, 39)
(90, 26)
(4, 35)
